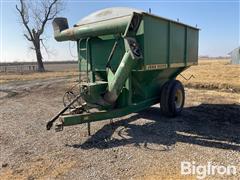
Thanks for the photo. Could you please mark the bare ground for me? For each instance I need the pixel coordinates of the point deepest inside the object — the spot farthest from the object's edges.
(142, 145)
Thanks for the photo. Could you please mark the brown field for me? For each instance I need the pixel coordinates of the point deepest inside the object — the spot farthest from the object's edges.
(12, 77)
(213, 74)
(54, 70)
(209, 74)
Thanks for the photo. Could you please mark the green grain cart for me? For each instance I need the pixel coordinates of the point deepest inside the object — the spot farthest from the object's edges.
(130, 60)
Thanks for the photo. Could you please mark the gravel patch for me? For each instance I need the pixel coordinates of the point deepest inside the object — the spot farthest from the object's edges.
(142, 145)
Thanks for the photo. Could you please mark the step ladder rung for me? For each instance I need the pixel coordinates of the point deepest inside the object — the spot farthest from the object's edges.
(83, 49)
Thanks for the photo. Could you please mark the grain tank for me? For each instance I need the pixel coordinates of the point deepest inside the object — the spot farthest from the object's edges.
(131, 59)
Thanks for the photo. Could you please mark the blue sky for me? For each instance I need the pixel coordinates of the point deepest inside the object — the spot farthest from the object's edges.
(218, 20)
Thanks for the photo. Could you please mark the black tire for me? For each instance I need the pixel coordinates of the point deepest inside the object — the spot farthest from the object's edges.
(172, 98)
(165, 93)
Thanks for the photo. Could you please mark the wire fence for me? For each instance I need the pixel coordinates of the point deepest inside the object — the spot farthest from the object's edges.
(18, 68)
(22, 67)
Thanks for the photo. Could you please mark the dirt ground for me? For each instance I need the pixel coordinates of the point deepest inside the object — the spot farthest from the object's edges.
(142, 145)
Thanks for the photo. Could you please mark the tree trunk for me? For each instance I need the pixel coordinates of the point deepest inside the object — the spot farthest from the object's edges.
(39, 55)
(39, 60)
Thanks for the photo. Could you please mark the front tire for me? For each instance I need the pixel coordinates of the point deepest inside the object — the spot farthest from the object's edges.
(172, 98)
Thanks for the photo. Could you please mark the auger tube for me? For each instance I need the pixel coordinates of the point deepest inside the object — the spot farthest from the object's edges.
(113, 26)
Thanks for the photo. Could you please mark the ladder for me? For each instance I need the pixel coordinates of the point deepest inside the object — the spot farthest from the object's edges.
(86, 50)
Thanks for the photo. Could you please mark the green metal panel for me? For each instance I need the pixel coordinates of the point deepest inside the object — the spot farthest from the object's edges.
(101, 50)
(155, 40)
(147, 84)
(169, 42)
(177, 43)
(192, 45)
(94, 92)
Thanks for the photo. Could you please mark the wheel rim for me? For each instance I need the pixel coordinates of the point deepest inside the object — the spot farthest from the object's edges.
(178, 99)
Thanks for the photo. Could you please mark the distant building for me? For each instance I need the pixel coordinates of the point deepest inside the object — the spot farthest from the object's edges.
(235, 56)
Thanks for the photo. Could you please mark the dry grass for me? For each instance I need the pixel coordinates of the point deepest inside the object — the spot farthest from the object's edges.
(213, 74)
(209, 74)
(9, 77)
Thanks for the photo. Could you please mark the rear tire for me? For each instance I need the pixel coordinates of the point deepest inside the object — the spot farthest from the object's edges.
(172, 98)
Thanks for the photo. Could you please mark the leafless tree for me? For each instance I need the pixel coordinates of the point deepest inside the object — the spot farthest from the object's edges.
(34, 16)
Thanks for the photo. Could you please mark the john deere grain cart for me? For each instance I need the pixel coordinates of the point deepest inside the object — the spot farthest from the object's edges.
(130, 60)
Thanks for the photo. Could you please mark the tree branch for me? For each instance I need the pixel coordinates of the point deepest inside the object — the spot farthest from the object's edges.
(47, 18)
(23, 14)
(27, 37)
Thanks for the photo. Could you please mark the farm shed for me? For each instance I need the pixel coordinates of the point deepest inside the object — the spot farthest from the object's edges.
(235, 56)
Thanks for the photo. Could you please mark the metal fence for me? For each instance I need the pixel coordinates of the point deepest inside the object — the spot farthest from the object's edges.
(21, 67)
(18, 68)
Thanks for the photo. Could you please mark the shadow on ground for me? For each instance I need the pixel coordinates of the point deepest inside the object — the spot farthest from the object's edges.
(209, 125)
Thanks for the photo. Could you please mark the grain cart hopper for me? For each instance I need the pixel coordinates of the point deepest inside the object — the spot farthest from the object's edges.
(130, 60)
